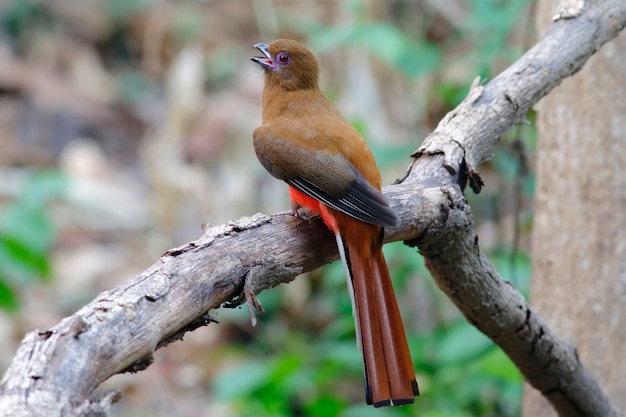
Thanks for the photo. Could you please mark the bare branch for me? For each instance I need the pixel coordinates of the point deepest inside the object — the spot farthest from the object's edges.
(55, 371)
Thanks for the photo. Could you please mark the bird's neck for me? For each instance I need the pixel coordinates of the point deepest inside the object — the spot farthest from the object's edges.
(295, 104)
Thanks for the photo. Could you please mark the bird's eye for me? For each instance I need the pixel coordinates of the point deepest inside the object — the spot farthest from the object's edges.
(283, 58)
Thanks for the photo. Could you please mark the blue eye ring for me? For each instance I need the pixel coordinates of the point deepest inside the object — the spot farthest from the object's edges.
(283, 58)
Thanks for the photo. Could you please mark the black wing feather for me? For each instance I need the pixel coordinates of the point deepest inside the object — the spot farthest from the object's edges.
(362, 200)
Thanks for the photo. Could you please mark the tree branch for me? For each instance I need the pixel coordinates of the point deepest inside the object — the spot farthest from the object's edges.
(55, 371)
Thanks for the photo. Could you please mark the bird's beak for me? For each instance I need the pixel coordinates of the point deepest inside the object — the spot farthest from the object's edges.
(266, 60)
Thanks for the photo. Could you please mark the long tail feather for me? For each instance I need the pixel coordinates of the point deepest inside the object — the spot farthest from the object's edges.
(397, 356)
(389, 375)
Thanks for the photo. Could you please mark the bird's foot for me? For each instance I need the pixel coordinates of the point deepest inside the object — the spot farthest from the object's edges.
(247, 296)
(299, 212)
(253, 304)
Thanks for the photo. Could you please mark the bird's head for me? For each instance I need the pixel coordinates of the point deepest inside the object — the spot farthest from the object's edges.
(288, 64)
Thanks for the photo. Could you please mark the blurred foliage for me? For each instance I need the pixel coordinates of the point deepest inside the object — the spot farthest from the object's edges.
(483, 31)
(26, 236)
(17, 16)
(384, 41)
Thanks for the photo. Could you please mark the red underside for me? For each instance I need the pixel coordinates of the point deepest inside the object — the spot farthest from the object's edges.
(314, 206)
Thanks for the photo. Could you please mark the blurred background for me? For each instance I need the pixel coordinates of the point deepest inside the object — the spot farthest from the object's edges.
(126, 124)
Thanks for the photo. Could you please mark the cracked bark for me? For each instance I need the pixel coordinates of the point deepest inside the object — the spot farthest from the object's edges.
(55, 371)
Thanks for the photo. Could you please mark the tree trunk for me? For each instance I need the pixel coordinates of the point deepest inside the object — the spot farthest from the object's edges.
(579, 235)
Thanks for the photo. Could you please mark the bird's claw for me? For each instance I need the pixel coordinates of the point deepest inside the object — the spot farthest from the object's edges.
(247, 295)
(300, 213)
(253, 303)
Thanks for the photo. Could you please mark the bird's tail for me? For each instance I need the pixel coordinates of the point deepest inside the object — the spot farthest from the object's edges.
(389, 374)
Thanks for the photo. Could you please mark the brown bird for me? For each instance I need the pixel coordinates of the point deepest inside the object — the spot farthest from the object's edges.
(307, 143)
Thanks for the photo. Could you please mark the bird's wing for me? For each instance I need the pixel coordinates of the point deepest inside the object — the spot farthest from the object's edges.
(329, 178)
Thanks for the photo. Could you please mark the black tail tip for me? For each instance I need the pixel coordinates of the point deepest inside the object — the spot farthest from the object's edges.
(416, 390)
(384, 403)
(394, 402)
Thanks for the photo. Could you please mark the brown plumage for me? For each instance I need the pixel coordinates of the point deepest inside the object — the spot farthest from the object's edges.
(307, 143)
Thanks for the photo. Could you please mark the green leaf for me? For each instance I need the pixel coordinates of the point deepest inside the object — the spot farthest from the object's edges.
(242, 380)
(495, 363)
(27, 226)
(345, 353)
(326, 406)
(384, 41)
(26, 219)
(363, 410)
(26, 232)
(41, 188)
(461, 343)
(438, 413)
(284, 366)
(8, 298)
(20, 263)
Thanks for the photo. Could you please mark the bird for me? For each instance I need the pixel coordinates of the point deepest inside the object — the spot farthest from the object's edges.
(329, 169)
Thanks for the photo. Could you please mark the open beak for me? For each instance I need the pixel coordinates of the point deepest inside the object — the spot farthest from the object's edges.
(266, 60)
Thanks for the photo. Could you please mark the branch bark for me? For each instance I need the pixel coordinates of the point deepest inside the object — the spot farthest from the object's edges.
(55, 371)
